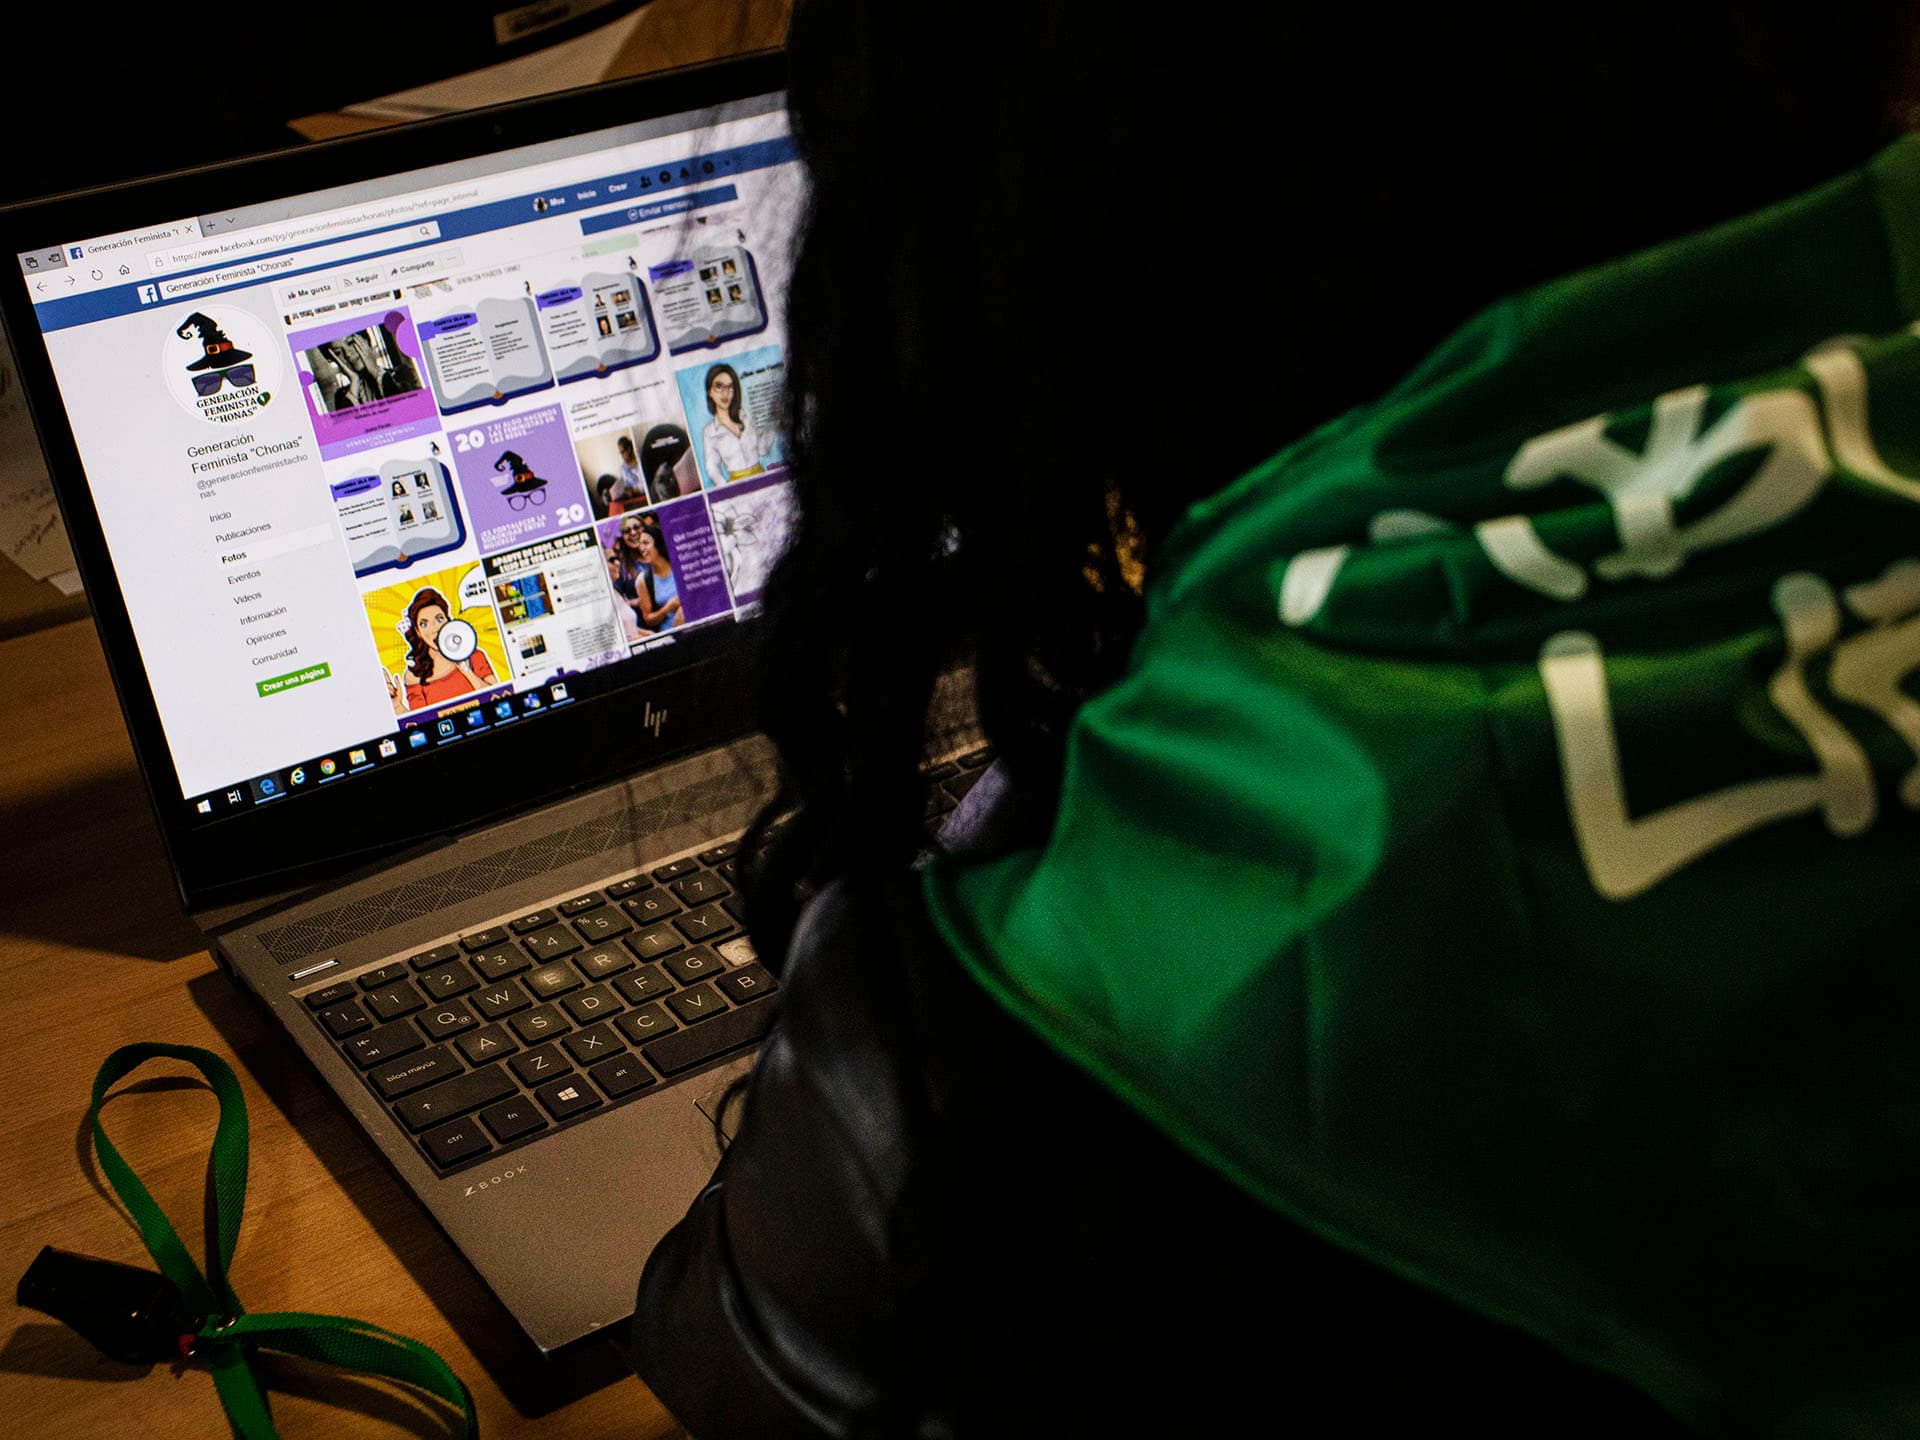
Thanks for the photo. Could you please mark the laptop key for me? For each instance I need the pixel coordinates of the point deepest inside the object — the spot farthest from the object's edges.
(740, 986)
(699, 889)
(454, 1097)
(394, 1001)
(385, 975)
(415, 1072)
(600, 928)
(702, 1002)
(646, 983)
(456, 1141)
(655, 905)
(655, 941)
(443, 982)
(649, 1022)
(511, 1119)
(498, 964)
(580, 904)
(439, 955)
(551, 943)
(383, 1042)
(481, 1046)
(622, 1075)
(528, 923)
(484, 939)
(591, 1005)
(492, 1002)
(687, 1048)
(709, 922)
(332, 995)
(593, 1044)
(675, 870)
(551, 980)
(545, 1022)
(541, 1063)
(602, 961)
(720, 852)
(567, 1096)
(344, 1020)
(692, 966)
(621, 889)
(445, 1021)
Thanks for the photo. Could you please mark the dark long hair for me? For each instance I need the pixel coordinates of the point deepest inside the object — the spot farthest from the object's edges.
(733, 409)
(419, 652)
(1067, 268)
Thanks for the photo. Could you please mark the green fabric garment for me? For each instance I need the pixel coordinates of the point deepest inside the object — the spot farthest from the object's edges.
(1501, 854)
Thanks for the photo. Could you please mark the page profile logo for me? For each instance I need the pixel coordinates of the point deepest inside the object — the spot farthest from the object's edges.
(220, 363)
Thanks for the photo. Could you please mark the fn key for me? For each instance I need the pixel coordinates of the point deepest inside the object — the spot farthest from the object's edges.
(450, 1144)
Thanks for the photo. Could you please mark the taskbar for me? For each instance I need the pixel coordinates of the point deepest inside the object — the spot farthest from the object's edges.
(457, 720)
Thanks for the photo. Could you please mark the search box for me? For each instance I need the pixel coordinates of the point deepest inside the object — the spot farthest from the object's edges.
(267, 268)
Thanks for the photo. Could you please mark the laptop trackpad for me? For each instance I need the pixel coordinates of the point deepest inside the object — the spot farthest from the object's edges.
(717, 1083)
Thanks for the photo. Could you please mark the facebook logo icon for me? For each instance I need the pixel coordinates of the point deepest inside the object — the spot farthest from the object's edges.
(148, 294)
(74, 251)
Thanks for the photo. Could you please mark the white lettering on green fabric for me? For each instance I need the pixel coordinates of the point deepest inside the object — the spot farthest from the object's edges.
(1626, 856)
(1643, 488)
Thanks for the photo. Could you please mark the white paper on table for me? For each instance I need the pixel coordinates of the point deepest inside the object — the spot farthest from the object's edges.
(31, 534)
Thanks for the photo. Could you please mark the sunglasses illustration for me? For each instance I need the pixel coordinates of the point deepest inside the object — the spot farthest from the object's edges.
(208, 384)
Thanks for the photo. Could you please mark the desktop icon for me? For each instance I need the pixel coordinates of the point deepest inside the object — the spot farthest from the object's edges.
(388, 749)
(233, 797)
(299, 775)
(416, 739)
(475, 719)
(327, 767)
(266, 787)
(504, 709)
(356, 757)
(205, 807)
(532, 701)
(446, 726)
(559, 692)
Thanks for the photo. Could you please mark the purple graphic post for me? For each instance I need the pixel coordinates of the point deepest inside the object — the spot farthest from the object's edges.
(363, 382)
(519, 478)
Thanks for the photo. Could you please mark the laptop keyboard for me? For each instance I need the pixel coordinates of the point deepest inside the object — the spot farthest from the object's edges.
(506, 1033)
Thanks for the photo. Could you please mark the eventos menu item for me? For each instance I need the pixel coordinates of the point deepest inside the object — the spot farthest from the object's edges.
(486, 355)
(598, 324)
(402, 510)
(709, 296)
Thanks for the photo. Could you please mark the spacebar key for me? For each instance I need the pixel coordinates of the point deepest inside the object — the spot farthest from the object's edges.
(686, 1048)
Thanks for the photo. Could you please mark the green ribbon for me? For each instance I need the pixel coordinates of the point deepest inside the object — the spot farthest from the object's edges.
(228, 1336)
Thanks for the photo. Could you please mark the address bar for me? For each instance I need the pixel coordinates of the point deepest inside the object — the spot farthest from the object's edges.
(282, 235)
(300, 260)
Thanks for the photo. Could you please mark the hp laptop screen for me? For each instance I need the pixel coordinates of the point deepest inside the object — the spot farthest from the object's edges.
(396, 467)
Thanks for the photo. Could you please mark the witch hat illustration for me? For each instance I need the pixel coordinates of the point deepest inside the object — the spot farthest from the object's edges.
(523, 477)
(221, 353)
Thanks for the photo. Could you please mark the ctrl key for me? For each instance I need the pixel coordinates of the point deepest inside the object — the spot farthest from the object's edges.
(452, 1143)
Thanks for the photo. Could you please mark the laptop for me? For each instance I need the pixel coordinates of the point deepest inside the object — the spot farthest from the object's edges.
(424, 485)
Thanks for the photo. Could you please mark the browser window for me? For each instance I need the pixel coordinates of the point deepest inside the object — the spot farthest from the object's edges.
(387, 469)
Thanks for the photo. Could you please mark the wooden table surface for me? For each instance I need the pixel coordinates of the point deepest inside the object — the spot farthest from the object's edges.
(95, 952)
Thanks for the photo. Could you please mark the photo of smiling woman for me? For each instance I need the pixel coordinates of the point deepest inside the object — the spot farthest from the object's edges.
(642, 574)
(430, 676)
